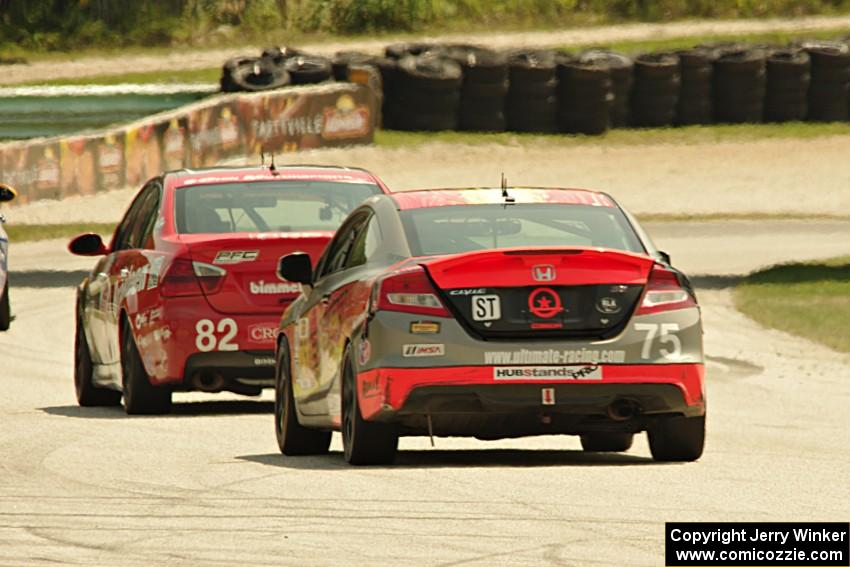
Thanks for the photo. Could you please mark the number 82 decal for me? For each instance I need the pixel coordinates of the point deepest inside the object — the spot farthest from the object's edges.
(670, 345)
(216, 337)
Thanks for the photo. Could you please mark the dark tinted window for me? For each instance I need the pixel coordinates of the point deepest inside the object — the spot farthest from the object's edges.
(453, 229)
(275, 206)
(134, 231)
(338, 250)
(367, 242)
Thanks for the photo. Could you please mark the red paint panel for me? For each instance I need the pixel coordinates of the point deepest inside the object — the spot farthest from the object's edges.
(393, 385)
(516, 268)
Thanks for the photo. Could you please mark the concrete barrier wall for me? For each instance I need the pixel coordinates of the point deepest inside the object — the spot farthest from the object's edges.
(197, 135)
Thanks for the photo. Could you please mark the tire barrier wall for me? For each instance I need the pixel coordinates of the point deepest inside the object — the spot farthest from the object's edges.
(198, 135)
(466, 87)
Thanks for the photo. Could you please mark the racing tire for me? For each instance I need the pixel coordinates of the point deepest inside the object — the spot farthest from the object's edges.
(364, 442)
(607, 442)
(293, 439)
(140, 396)
(89, 395)
(5, 309)
(677, 439)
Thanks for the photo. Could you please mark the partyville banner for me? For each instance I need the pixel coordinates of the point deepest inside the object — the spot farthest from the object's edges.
(197, 135)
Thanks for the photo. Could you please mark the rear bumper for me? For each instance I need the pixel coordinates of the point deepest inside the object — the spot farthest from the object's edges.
(400, 394)
(240, 371)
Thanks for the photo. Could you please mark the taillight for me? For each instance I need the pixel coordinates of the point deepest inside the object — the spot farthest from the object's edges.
(210, 277)
(186, 278)
(664, 293)
(409, 291)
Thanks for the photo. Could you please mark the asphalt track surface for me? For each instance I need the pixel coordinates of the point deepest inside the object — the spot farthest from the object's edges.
(207, 486)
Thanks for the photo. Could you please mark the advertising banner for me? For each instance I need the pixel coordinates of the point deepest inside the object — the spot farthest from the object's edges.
(198, 135)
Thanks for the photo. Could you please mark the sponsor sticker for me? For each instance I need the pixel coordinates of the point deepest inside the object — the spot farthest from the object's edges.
(608, 305)
(364, 352)
(235, 256)
(547, 373)
(424, 327)
(273, 288)
(547, 396)
(410, 351)
(544, 302)
(262, 332)
(264, 361)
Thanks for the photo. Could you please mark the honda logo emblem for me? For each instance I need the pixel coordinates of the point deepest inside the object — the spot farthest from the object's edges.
(543, 273)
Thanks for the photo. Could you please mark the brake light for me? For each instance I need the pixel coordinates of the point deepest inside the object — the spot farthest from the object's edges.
(664, 293)
(409, 291)
(210, 277)
(186, 278)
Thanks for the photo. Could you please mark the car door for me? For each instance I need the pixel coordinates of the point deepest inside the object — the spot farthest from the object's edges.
(347, 306)
(127, 267)
(310, 389)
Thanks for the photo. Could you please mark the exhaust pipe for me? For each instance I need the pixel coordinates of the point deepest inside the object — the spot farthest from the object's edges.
(210, 382)
(622, 410)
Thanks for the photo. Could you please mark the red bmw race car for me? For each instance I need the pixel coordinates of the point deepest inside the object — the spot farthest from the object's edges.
(186, 296)
(492, 314)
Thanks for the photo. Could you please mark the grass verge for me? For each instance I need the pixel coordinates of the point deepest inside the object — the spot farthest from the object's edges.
(36, 232)
(811, 300)
(623, 137)
(673, 43)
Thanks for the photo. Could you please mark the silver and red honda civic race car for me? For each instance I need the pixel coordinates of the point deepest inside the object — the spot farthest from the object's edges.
(186, 295)
(7, 193)
(490, 313)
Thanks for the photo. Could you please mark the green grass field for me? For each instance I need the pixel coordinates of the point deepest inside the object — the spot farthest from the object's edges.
(35, 232)
(811, 300)
(624, 137)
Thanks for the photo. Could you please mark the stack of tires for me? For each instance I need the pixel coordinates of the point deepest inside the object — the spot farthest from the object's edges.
(788, 79)
(426, 93)
(252, 74)
(308, 69)
(584, 96)
(532, 105)
(484, 88)
(621, 68)
(740, 81)
(696, 70)
(829, 91)
(655, 93)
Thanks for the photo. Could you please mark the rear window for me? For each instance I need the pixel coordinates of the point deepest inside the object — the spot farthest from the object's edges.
(273, 206)
(453, 229)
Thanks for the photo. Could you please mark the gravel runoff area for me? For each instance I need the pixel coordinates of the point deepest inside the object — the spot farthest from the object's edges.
(810, 177)
(181, 59)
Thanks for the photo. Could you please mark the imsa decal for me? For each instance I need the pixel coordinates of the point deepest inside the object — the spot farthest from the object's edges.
(412, 351)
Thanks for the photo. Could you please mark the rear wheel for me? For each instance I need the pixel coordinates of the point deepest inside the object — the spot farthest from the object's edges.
(292, 437)
(140, 396)
(364, 442)
(677, 439)
(607, 442)
(5, 309)
(89, 395)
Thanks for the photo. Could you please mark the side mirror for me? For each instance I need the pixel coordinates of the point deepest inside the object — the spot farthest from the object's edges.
(666, 257)
(89, 244)
(296, 267)
(7, 193)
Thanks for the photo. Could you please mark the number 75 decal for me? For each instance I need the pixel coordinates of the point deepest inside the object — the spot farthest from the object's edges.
(670, 344)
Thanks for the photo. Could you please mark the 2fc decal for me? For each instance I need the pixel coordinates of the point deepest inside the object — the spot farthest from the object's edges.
(216, 337)
(670, 345)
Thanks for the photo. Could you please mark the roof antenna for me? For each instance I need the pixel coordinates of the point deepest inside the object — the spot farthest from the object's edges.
(508, 199)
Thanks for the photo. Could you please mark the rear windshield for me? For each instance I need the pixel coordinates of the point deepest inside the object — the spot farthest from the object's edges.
(273, 206)
(453, 229)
